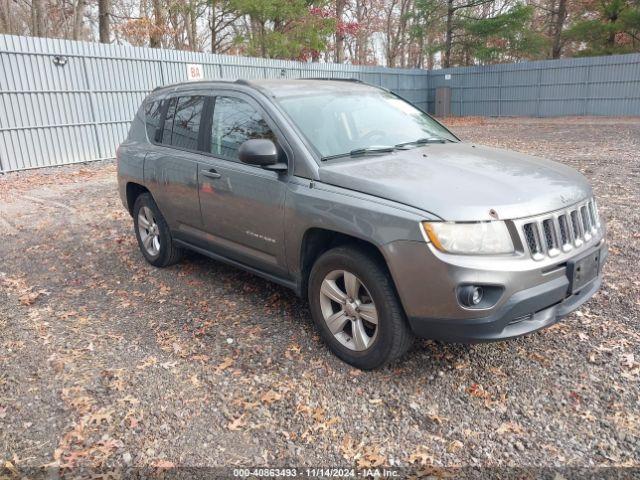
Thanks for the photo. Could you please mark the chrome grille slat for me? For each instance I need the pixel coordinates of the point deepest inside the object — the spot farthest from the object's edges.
(576, 227)
(559, 232)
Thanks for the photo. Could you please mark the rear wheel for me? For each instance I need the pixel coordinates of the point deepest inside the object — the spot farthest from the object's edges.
(153, 234)
(355, 307)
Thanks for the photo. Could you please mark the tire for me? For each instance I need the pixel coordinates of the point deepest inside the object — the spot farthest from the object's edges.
(160, 253)
(386, 340)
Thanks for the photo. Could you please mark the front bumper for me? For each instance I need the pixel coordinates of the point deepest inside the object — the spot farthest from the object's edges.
(533, 298)
(525, 312)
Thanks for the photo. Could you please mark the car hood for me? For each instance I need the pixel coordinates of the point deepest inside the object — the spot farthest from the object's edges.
(462, 181)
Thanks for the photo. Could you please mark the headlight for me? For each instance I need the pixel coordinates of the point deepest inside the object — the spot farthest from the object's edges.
(478, 238)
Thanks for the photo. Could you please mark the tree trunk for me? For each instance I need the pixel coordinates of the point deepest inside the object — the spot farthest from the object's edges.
(5, 18)
(78, 17)
(361, 36)
(263, 40)
(558, 24)
(38, 28)
(448, 39)
(339, 33)
(213, 27)
(155, 37)
(104, 20)
(190, 27)
(613, 18)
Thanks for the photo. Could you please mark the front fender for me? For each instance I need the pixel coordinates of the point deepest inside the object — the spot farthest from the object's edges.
(311, 204)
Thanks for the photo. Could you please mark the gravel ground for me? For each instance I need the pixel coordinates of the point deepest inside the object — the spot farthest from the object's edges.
(107, 362)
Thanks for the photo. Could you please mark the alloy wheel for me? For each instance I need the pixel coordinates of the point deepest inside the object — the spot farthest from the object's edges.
(149, 231)
(348, 310)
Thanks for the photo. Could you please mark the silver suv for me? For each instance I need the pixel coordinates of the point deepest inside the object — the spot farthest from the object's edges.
(388, 223)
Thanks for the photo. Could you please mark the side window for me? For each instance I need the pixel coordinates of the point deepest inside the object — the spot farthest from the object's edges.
(168, 121)
(186, 122)
(234, 122)
(152, 119)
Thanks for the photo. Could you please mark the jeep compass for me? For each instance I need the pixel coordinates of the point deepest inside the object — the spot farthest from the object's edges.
(380, 216)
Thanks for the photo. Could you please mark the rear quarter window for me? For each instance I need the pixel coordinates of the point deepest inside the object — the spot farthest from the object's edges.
(168, 121)
(152, 119)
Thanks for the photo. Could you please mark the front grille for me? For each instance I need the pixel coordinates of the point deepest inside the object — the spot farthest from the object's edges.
(533, 239)
(549, 234)
(562, 231)
(565, 236)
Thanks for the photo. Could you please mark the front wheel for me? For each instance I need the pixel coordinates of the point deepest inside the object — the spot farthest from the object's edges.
(354, 305)
(153, 234)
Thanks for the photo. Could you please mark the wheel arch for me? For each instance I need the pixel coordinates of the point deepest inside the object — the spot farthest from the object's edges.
(133, 191)
(318, 240)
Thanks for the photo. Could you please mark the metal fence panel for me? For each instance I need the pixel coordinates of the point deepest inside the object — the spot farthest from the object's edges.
(57, 114)
(581, 86)
(52, 114)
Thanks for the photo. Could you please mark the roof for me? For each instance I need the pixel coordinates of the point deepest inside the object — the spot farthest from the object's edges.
(304, 86)
(284, 87)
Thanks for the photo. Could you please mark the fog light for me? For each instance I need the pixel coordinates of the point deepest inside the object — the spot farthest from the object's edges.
(470, 295)
(477, 295)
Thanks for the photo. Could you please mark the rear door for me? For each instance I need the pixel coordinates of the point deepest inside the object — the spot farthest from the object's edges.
(171, 167)
(242, 205)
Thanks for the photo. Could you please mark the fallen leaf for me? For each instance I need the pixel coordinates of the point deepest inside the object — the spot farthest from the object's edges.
(422, 456)
(371, 457)
(477, 390)
(226, 363)
(29, 298)
(270, 397)
(162, 464)
(454, 446)
(348, 448)
(627, 360)
(509, 427)
(101, 415)
(237, 423)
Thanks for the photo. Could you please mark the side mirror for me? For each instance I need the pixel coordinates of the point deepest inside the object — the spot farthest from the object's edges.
(260, 152)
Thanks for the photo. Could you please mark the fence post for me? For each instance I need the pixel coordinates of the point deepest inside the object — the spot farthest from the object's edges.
(585, 108)
(539, 91)
(92, 106)
(500, 93)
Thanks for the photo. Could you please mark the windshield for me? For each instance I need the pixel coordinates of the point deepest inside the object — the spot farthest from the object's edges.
(337, 124)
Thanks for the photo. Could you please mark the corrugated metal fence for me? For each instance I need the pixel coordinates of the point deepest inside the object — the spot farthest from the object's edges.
(579, 86)
(53, 114)
(65, 102)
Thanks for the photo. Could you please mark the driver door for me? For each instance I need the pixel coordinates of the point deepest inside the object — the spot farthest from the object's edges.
(242, 206)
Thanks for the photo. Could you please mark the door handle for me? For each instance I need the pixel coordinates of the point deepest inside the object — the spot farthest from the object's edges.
(211, 173)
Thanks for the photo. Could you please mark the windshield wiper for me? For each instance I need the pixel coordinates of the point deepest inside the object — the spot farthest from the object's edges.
(386, 148)
(423, 141)
(376, 149)
(362, 151)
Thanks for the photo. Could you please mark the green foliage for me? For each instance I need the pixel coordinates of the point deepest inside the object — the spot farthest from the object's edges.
(613, 28)
(292, 29)
(504, 37)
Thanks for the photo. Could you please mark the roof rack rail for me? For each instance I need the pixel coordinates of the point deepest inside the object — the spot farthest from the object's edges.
(333, 78)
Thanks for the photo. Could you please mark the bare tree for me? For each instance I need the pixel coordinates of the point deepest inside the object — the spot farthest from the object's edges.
(6, 13)
(395, 30)
(558, 19)
(222, 23)
(340, 4)
(104, 20)
(78, 17)
(38, 19)
(155, 37)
